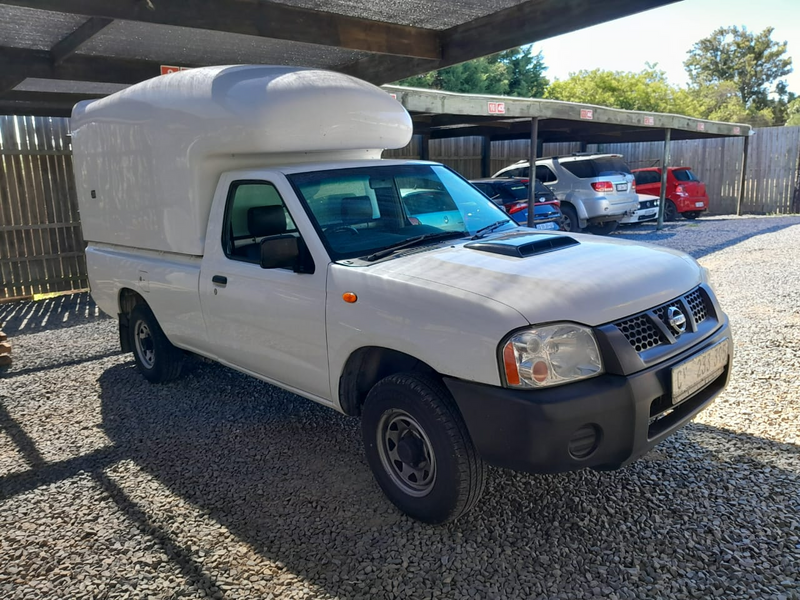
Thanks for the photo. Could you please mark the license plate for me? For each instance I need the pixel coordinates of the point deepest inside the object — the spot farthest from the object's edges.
(622, 187)
(697, 372)
(551, 226)
(698, 205)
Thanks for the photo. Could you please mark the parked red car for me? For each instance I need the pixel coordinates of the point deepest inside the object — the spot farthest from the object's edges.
(686, 194)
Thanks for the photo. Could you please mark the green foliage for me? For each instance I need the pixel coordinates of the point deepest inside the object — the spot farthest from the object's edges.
(793, 112)
(647, 90)
(525, 72)
(516, 72)
(753, 62)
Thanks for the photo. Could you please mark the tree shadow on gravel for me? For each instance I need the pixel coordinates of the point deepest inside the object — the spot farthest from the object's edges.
(288, 477)
(722, 233)
(22, 318)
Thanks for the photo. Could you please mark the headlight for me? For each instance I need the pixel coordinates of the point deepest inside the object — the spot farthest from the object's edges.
(550, 355)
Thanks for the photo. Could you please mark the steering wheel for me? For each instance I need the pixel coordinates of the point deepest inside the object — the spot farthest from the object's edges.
(336, 228)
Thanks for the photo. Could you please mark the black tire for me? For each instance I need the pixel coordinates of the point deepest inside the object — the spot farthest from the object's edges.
(156, 358)
(456, 473)
(670, 211)
(571, 222)
(603, 228)
(691, 215)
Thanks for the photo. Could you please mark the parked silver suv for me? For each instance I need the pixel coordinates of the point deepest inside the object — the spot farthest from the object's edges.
(596, 191)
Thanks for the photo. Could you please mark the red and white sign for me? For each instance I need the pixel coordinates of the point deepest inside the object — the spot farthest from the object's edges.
(393, 96)
(649, 120)
(497, 108)
(701, 127)
(167, 69)
(587, 113)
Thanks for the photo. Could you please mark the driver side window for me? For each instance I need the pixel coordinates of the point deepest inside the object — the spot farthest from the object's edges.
(255, 211)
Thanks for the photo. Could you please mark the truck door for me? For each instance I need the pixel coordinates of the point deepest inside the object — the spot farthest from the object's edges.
(270, 322)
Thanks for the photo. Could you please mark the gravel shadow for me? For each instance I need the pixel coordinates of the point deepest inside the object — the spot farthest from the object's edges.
(288, 477)
(22, 318)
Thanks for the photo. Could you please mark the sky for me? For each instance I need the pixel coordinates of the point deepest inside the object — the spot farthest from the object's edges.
(664, 36)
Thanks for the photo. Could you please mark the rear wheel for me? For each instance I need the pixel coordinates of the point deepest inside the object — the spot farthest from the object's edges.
(603, 228)
(419, 449)
(157, 359)
(670, 211)
(570, 222)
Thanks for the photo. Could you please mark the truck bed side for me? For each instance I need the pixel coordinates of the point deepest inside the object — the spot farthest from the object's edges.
(168, 282)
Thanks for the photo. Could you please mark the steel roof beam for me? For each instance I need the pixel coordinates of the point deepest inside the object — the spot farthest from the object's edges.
(72, 42)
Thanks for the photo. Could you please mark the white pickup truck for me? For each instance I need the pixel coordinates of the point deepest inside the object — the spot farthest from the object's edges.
(243, 214)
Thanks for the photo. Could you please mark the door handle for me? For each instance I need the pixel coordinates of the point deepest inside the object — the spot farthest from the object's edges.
(219, 280)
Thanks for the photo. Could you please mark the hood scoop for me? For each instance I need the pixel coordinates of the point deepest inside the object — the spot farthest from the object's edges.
(523, 245)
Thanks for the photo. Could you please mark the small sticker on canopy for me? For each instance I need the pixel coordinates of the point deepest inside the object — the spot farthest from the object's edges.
(587, 113)
(168, 69)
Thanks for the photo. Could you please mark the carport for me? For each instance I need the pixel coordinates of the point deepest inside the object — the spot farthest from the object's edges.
(440, 115)
(56, 52)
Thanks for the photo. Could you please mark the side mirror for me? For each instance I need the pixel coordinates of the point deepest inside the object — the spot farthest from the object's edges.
(280, 252)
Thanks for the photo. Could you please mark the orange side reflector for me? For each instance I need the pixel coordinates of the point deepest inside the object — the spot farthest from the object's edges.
(510, 364)
(349, 297)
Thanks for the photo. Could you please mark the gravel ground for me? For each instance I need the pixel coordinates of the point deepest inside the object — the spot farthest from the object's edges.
(219, 486)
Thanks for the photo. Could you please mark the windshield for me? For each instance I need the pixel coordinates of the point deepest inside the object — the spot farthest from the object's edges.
(360, 211)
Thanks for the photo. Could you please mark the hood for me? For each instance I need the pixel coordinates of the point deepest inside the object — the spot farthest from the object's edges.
(594, 281)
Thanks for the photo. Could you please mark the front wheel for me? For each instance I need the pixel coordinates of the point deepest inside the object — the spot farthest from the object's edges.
(157, 359)
(419, 449)
(603, 228)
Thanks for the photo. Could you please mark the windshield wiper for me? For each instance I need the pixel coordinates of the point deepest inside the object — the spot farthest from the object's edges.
(484, 231)
(412, 242)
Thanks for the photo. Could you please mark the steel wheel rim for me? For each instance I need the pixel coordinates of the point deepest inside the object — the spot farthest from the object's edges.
(399, 434)
(145, 347)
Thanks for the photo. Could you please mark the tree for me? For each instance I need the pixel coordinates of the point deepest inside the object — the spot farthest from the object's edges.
(793, 112)
(753, 62)
(525, 72)
(647, 90)
(516, 72)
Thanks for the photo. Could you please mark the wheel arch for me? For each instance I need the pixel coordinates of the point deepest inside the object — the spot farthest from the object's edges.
(127, 300)
(366, 366)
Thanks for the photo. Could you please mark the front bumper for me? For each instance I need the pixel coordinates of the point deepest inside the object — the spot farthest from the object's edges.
(643, 214)
(538, 431)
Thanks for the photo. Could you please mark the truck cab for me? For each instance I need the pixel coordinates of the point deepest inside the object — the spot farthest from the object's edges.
(460, 339)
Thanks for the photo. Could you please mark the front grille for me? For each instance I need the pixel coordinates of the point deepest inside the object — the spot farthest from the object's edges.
(643, 333)
(697, 304)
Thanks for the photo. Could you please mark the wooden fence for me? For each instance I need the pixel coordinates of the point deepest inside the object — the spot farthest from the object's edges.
(41, 247)
(772, 183)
